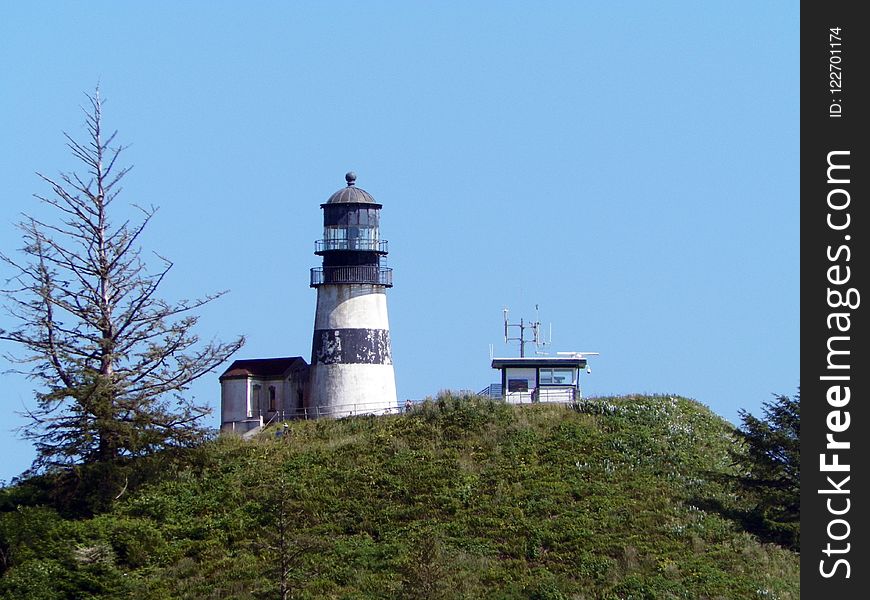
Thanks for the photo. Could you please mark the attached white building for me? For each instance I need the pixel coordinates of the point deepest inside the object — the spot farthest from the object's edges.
(262, 390)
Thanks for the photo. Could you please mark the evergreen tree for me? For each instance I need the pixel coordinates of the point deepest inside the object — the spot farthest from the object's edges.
(771, 477)
(111, 357)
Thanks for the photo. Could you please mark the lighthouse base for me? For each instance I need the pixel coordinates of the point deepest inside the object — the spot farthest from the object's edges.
(342, 390)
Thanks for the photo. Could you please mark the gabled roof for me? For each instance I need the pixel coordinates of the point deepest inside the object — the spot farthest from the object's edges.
(263, 367)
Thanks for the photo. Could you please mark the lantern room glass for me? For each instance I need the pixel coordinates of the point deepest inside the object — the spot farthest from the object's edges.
(351, 227)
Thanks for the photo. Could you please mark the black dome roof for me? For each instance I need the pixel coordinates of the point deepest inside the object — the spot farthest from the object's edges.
(351, 194)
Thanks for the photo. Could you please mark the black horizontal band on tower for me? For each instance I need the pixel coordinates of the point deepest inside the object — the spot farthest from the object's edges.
(351, 347)
(364, 274)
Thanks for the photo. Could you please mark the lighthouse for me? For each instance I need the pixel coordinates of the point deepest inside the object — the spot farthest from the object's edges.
(351, 357)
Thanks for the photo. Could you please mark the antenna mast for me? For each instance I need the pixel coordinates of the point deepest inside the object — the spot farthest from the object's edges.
(534, 326)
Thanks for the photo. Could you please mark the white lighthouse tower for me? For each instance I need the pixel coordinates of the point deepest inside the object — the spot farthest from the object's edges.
(351, 358)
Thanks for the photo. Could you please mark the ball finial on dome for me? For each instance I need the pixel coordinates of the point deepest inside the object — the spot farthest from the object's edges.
(350, 178)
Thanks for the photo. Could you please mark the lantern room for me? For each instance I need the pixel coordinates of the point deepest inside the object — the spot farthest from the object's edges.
(351, 247)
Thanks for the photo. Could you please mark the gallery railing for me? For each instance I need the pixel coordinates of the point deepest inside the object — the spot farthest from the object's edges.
(373, 275)
(379, 246)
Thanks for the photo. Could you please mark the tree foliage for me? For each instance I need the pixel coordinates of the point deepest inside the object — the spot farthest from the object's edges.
(275, 495)
(772, 476)
(111, 358)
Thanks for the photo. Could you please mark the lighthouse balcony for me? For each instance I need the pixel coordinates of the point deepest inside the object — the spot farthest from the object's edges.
(360, 244)
(365, 274)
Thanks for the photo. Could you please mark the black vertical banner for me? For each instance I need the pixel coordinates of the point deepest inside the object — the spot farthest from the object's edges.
(835, 225)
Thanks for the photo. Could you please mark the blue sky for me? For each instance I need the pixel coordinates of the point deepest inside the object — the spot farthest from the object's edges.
(631, 168)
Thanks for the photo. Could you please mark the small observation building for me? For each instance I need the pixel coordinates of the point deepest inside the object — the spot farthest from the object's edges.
(539, 379)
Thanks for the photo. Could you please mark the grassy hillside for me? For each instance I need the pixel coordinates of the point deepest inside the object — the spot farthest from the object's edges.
(458, 499)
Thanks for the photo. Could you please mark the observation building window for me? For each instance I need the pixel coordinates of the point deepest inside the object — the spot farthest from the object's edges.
(557, 376)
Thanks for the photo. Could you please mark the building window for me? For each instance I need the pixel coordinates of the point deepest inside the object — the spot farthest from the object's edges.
(255, 400)
(557, 376)
(271, 398)
(518, 385)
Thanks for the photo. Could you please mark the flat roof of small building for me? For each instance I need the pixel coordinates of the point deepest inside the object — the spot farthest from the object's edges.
(565, 362)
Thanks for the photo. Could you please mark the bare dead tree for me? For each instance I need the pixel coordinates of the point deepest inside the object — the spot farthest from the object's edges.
(111, 358)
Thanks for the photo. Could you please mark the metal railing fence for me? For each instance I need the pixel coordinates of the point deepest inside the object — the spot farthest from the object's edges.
(379, 246)
(374, 275)
(335, 411)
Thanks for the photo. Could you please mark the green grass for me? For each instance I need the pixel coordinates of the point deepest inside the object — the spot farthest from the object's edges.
(461, 498)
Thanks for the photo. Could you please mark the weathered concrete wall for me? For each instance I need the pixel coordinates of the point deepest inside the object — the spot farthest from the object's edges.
(241, 427)
(265, 384)
(340, 390)
(529, 375)
(351, 355)
(351, 306)
(234, 400)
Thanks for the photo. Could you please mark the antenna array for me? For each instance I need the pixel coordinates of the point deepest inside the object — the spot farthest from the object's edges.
(523, 326)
